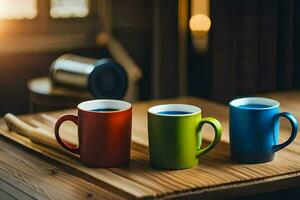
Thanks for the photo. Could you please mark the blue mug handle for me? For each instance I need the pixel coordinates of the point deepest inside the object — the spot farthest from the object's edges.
(294, 124)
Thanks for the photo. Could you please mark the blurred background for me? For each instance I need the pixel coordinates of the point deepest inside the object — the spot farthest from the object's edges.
(212, 49)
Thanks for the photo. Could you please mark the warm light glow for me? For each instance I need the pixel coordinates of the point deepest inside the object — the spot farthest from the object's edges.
(200, 25)
(69, 8)
(18, 9)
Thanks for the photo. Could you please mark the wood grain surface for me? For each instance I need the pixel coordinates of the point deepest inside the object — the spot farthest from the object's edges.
(215, 176)
(22, 176)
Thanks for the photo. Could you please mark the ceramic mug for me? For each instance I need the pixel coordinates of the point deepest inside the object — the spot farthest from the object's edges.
(104, 131)
(174, 132)
(254, 129)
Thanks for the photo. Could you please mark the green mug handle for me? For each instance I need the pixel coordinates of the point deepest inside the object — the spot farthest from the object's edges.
(218, 132)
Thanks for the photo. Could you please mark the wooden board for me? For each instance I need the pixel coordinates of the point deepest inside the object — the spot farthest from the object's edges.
(22, 176)
(215, 175)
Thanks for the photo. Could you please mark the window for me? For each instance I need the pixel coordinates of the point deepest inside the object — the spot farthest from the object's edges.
(69, 8)
(16, 9)
(27, 9)
(51, 25)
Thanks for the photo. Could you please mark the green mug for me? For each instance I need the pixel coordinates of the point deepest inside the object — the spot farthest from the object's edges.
(174, 132)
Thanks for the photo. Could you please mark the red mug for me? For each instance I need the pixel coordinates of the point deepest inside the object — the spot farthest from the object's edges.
(104, 132)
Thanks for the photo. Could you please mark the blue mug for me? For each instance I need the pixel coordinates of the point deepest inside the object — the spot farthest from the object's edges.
(254, 129)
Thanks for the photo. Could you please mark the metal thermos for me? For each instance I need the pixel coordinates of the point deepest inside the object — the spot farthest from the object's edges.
(104, 78)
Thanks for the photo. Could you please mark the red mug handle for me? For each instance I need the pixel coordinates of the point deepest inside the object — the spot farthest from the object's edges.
(66, 145)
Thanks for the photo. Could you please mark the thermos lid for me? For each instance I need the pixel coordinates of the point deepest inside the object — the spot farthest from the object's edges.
(108, 80)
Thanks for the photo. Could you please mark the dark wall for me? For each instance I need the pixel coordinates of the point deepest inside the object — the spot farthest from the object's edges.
(132, 24)
(254, 49)
(15, 71)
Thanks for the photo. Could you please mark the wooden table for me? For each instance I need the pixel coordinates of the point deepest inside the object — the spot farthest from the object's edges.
(27, 174)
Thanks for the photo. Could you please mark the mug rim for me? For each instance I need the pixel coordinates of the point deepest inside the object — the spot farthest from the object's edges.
(269, 103)
(170, 107)
(88, 106)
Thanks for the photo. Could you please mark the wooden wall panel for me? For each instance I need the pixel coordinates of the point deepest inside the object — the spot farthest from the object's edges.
(132, 25)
